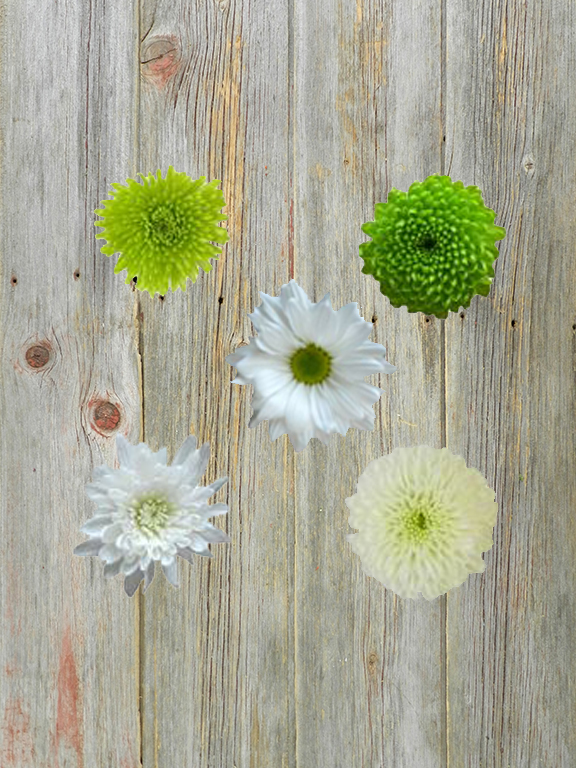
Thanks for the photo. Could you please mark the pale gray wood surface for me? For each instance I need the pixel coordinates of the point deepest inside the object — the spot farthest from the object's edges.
(279, 651)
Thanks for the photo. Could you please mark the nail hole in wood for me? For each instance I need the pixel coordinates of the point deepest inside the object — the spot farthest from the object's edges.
(14, 280)
(76, 274)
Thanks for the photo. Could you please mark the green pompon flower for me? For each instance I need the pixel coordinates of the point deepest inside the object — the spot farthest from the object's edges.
(162, 227)
(424, 520)
(432, 248)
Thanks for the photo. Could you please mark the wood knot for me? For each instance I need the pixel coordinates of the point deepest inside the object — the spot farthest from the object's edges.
(105, 417)
(160, 59)
(372, 662)
(37, 356)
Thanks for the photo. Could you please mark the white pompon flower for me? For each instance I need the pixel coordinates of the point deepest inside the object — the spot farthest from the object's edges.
(149, 512)
(308, 365)
(424, 519)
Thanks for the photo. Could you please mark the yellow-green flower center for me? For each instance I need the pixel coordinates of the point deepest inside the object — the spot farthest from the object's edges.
(421, 520)
(165, 225)
(311, 364)
(151, 513)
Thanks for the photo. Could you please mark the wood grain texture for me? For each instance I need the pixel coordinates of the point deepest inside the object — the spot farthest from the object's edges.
(510, 386)
(279, 651)
(69, 640)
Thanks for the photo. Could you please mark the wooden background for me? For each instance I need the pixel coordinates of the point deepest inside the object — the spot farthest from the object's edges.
(279, 652)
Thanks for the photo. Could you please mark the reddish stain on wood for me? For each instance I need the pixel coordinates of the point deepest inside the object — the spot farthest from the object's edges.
(160, 59)
(17, 745)
(68, 727)
(106, 416)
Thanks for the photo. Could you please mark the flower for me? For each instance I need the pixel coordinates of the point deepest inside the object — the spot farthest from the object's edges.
(161, 229)
(433, 248)
(308, 366)
(424, 520)
(149, 512)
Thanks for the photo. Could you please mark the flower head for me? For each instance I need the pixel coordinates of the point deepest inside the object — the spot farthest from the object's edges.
(149, 512)
(308, 365)
(433, 248)
(424, 520)
(161, 229)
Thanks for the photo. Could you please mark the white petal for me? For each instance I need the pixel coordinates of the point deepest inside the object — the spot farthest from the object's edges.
(97, 524)
(185, 451)
(197, 464)
(276, 427)
(355, 334)
(324, 327)
(276, 340)
(148, 575)
(217, 509)
(293, 291)
(297, 409)
(214, 535)
(112, 569)
(200, 494)
(132, 581)
(299, 440)
(131, 564)
(113, 532)
(320, 411)
(200, 547)
(110, 553)
(171, 572)
(89, 548)
(123, 451)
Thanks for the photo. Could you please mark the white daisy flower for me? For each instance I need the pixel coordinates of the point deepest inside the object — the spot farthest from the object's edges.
(424, 520)
(308, 365)
(149, 512)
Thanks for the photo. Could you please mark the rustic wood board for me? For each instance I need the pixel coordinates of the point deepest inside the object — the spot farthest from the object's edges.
(278, 651)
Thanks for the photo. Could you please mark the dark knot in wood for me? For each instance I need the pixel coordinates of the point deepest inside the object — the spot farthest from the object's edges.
(37, 356)
(106, 416)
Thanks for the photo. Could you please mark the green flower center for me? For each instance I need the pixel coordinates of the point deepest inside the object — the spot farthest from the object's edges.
(151, 513)
(311, 364)
(421, 520)
(426, 242)
(165, 225)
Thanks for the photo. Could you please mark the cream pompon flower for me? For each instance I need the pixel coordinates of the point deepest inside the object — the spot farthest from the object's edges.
(424, 519)
(149, 512)
(308, 365)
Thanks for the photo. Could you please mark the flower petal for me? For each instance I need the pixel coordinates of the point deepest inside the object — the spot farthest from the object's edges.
(132, 581)
(148, 575)
(112, 569)
(186, 450)
(89, 548)
(171, 572)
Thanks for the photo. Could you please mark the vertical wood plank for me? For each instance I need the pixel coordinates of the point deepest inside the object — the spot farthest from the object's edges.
(217, 673)
(510, 384)
(68, 645)
(369, 666)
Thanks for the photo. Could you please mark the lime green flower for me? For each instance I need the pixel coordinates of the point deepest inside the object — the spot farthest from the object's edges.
(432, 248)
(161, 228)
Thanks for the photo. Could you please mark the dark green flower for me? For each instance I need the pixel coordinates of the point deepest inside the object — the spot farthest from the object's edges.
(432, 248)
(161, 229)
